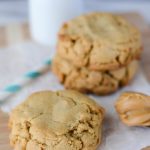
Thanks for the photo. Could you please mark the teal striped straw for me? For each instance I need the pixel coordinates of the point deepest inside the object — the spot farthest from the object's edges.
(25, 79)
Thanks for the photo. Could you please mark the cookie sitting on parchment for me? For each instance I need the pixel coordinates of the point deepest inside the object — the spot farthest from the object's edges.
(90, 81)
(99, 41)
(97, 53)
(63, 120)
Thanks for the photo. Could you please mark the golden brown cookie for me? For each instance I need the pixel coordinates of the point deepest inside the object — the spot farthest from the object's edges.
(99, 41)
(63, 120)
(85, 80)
(134, 109)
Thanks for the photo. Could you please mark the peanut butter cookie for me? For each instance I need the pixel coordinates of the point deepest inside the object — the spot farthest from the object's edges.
(99, 41)
(98, 82)
(63, 120)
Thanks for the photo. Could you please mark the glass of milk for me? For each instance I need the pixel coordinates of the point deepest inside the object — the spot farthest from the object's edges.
(47, 16)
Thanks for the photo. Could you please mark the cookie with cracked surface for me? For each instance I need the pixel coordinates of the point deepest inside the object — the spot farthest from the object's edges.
(134, 109)
(63, 120)
(99, 41)
(85, 80)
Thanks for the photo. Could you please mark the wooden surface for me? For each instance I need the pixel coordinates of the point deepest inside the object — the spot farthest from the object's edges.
(4, 132)
(15, 33)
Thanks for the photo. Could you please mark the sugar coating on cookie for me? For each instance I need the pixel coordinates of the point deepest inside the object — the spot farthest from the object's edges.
(99, 41)
(63, 120)
(86, 80)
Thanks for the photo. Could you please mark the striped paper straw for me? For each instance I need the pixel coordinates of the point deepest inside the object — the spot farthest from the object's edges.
(24, 80)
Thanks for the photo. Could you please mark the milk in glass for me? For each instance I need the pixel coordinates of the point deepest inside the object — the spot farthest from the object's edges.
(46, 17)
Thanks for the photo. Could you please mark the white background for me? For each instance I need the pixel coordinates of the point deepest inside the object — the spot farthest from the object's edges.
(17, 10)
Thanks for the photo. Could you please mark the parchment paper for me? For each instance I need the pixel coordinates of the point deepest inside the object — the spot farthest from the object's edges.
(16, 60)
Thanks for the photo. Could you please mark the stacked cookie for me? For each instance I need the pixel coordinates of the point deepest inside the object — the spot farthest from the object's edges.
(97, 53)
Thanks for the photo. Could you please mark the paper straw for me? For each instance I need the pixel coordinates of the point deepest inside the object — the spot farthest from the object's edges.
(24, 80)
